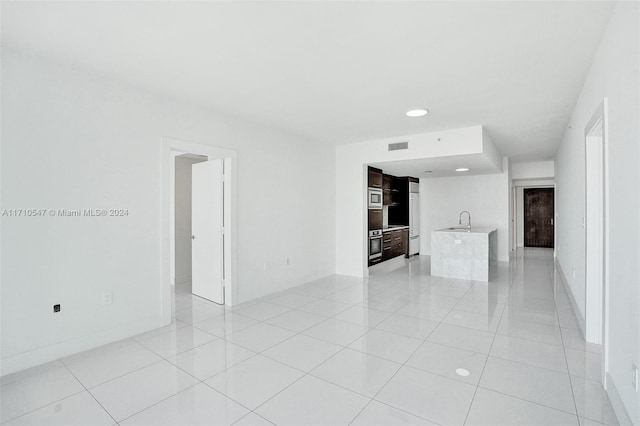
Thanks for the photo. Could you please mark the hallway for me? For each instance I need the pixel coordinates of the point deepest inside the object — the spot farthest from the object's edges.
(399, 348)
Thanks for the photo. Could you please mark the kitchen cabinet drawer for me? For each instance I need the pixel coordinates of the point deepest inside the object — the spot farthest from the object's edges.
(396, 236)
(394, 243)
(387, 252)
(375, 261)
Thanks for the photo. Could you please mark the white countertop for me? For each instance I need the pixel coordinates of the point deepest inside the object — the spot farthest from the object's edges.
(395, 228)
(464, 230)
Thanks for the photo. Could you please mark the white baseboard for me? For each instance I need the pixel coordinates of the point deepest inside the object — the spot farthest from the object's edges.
(572, 300)
(24, 360)
(617, 404)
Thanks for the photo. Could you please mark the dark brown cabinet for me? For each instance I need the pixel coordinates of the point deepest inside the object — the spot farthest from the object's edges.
(395, 202)
(387, 180)
(375, 219)
(375, 178)
(405, 242)
(389, 191)
(395, 243)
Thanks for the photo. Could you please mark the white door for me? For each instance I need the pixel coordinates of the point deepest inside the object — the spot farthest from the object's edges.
(207, 270)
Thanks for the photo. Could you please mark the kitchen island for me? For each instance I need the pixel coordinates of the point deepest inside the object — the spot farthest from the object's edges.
(465, 253)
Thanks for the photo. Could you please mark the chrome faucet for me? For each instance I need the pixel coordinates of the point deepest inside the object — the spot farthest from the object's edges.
(468, 220)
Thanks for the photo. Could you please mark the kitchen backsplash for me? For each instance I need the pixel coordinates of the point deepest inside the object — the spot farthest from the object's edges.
(385, 216)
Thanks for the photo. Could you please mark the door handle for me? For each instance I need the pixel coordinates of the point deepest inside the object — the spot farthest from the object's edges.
(193, 237)
(551, 222)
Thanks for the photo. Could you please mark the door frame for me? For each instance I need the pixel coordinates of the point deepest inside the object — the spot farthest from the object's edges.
(596, 250)
(518, 216)
(171, 146)
(524, 214)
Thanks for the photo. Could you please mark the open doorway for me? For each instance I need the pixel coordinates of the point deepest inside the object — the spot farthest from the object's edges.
(596, 286)
(198, 226)
(183, 235)
(199, 210)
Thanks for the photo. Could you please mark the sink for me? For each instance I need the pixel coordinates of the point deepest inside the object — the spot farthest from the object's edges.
(459, 228)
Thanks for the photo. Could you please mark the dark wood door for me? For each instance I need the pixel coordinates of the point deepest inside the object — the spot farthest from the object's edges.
(538, 217)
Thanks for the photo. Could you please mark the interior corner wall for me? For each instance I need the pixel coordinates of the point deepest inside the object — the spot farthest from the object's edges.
(486, 197)
(613, 74)
(75, 140)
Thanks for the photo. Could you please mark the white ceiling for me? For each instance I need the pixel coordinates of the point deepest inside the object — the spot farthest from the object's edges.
(339, 72)
(478, 164)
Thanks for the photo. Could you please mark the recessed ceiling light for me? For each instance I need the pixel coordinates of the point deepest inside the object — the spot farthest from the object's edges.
(417, 112)
(462, 169)
(462, 372)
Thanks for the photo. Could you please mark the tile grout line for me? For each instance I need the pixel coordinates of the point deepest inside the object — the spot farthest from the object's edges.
(551, 269)
(332, 356)
(573, 393)
(402, 366)
(528, 400)
(286, 365)
(361, 304)
(43, 406)
(466, 418)
(89, 392)
(198, 381)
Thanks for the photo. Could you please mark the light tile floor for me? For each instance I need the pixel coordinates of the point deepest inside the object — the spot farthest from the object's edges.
(400, 348)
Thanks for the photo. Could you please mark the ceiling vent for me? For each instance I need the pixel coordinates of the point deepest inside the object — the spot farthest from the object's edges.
(398, 145)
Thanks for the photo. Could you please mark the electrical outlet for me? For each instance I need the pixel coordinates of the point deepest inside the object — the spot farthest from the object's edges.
(573, 272)
(107, 298)
(56, 308)
(288, 261)
(634, 377)
(266, 266)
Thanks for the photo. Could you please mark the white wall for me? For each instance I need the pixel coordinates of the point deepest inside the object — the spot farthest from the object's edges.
(74, 140)
(351, 200)
(182, 218)
(614, 74)
(486, 197)
(533, 170)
